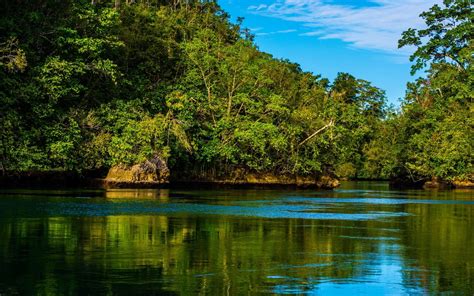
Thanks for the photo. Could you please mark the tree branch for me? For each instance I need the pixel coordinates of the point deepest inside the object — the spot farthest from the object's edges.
(331, 123)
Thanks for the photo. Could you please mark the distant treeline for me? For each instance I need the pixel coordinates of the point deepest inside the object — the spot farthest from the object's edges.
(87, 85)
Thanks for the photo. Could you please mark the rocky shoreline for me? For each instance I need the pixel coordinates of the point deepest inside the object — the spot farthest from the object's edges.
(62, 180)
(265, 180)
(154, 173)
(434, 183)
(123, 178)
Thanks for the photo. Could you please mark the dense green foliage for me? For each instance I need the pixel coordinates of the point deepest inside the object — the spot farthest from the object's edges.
(433, 135)
(90, 85)
(87, 85)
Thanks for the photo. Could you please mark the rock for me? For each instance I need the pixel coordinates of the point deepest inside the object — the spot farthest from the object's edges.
(436, 183)
(242, 177)
(463, 184)
(149, 173)
(326, 182)
(323, 182)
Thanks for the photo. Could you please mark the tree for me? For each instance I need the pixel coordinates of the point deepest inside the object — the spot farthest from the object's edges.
(448, 37)
(436, 128)
(116, 82)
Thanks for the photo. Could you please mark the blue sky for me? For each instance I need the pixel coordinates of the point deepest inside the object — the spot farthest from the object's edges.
(331, 36)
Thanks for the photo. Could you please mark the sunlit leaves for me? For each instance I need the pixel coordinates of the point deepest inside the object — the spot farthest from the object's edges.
(449, 30)
(60, 78)
(115, 87)
(12, 57)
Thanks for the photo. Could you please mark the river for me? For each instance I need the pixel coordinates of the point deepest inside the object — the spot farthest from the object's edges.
(361, 238)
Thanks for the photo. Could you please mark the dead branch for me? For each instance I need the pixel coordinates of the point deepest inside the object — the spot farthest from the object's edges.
(331, 123)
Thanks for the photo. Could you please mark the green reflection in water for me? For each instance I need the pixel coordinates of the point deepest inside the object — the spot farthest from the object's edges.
(64, 242)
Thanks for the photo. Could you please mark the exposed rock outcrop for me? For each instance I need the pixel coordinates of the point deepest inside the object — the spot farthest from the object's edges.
(241, 177)
(437, 183)
(434, 183)
(150, 173)
(463, 184)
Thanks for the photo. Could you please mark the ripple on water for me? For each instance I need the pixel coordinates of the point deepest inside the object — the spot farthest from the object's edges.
(268, 211)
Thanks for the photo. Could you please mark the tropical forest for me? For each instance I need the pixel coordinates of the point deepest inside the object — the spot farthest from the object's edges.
(167, 147)
(86, 86)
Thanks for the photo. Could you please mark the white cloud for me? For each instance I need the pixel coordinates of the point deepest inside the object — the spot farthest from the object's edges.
(375, 27)
(258, 7)
(275, 32)
(285, 31)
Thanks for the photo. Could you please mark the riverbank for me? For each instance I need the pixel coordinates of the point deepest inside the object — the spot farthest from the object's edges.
(262, 180)
(120, 178)
(434, 183)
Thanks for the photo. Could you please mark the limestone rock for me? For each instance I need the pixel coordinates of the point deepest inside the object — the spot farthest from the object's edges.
(242, 177)
(151, 172)
(464, 184)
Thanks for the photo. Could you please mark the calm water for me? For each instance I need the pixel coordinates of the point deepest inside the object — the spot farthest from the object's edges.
(359, 239)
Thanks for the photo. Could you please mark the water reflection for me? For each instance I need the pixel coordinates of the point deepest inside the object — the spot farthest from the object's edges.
(53, 243)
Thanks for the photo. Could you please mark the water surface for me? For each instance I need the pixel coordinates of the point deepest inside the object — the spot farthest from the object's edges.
(359, 239)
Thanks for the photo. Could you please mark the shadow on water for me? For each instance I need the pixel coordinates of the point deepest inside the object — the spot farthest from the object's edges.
(361, 238)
